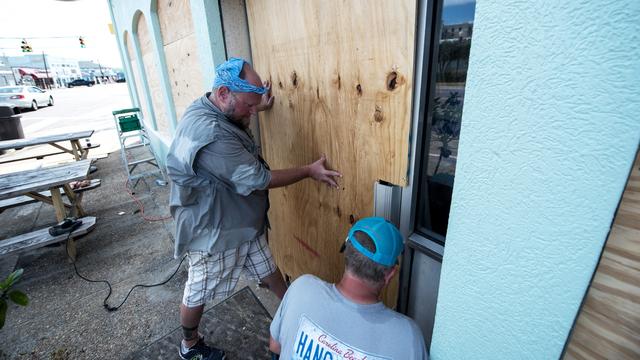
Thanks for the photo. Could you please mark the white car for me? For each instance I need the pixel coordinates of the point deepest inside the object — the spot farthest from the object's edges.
(25, 97)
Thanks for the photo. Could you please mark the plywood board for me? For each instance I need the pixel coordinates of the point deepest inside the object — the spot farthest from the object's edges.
(131, 54)
(175, 21)
(144, 36)
(184, 73)
(180, 50)
(152, 73)
(342, 74)
(608, 325)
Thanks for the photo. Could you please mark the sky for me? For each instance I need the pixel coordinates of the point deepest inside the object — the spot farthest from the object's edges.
(32, 19)
(458, 11)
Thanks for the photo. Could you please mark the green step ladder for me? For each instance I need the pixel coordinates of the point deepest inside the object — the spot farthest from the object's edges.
(132, 135)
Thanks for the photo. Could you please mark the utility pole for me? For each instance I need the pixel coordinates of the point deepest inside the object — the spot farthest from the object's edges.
(44, 60)
(101, 73)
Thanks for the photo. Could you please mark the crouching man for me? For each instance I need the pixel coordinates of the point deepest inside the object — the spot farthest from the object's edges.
(318, 320)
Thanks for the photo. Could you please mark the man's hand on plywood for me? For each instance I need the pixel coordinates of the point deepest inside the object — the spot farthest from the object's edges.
(319, 172)
(267, 98)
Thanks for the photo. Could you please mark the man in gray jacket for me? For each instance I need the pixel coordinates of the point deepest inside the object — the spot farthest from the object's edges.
(219, 196)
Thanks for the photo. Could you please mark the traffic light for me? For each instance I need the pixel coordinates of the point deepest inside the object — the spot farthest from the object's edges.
(25, 46)
(82, 45)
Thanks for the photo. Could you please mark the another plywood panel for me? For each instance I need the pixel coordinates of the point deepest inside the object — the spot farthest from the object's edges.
(152, 73)
(184, 73)
(342, 75)
(180, 49)
(608, 326)
(131, 54)
(175, 21)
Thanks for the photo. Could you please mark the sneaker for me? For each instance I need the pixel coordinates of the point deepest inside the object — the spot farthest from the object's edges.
(201, 351)
(67, 225)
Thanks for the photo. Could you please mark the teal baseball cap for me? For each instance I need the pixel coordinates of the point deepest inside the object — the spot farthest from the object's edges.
(385, 236)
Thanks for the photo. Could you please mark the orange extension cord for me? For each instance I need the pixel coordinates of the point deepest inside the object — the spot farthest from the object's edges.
(141, 205)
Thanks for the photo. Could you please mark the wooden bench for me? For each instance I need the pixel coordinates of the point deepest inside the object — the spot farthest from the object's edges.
(24, 199)
(32, 182)
(40, 238)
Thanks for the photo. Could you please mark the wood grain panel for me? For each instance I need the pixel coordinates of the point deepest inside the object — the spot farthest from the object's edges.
(342, 75)
(152, 73)
(180, 50)
(131, 54)
(608, 326)
(175, 21)
(179, 45)
(185, 73)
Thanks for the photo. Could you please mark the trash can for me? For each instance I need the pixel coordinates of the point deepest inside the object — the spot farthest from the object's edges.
(10, 125)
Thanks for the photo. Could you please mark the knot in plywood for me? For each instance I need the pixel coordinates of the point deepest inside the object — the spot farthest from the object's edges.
(394, 80)
(377, 115)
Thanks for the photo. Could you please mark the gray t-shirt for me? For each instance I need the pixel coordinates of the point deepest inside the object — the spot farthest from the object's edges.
(315, 321)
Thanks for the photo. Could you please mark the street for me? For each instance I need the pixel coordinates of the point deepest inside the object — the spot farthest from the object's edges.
(75, 109)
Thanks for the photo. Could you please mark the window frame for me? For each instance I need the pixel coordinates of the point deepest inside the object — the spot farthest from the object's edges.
(423, 135)
(428, 33)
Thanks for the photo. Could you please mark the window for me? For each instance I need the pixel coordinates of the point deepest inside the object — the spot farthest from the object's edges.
(443, 118)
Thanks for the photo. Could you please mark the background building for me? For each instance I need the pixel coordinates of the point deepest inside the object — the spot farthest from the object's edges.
(41, 69)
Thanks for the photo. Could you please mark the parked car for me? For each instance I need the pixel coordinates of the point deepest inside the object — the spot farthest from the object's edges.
(25, 97)
(81, 82)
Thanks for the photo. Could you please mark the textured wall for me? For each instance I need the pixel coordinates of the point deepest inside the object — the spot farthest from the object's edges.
(549, 132)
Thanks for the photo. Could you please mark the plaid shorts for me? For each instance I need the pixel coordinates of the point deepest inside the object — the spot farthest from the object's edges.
(215, 276)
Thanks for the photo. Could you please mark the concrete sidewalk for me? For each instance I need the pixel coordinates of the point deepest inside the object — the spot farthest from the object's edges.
(65, 318)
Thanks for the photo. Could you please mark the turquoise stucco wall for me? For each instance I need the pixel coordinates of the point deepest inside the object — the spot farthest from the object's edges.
(550, 128)
(208, 26)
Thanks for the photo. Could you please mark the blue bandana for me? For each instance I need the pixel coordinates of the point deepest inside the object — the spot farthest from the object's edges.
(228, 75)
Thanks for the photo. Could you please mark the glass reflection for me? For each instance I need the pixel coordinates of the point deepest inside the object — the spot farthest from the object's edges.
(440, 141)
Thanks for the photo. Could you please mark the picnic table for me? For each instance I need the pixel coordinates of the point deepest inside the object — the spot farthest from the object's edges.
(77, 150)
(33, 182)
